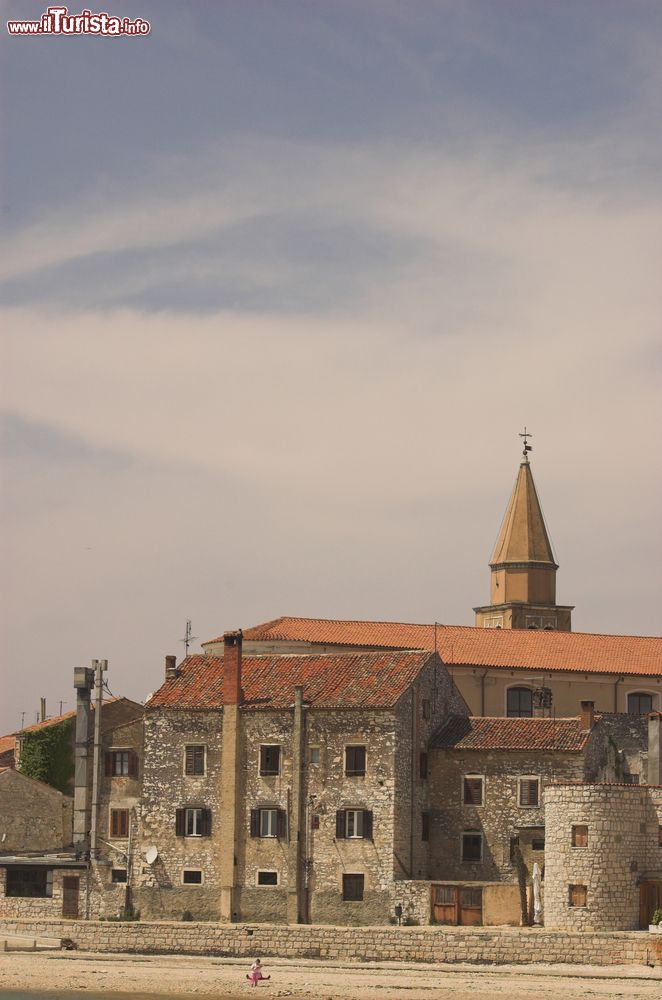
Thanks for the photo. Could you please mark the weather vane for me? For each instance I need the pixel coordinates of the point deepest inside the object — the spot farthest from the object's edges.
(527, 447)
(188, 638)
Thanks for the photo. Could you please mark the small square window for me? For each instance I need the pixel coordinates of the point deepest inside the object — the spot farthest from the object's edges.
(192, 877)
(472, 790)
(355, 761)
(576, 895)
(538, 844)
(267, 878)
(315, 755)
(119, 822)
(118, 875)
(579, 835)
(352, 888)
(529, 792)
(194, 760)
(269, 760)
(472, 846)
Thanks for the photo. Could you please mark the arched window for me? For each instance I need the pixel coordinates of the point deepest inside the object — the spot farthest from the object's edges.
(640, 703)
(519, 703)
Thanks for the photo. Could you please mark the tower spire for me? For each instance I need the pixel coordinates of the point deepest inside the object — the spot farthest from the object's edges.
(523, 566)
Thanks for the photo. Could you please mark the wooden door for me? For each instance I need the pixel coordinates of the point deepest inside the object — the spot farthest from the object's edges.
(650, 900)
(456, 904)
(70, 888)
(471, 906)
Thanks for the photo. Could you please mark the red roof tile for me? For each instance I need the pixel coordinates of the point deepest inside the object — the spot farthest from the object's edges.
(472, 733)
(339, 680)
(54, 720)
(580, 652)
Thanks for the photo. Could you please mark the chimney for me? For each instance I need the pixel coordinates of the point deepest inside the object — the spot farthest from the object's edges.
(83, 682)
(655, 748)
(42, 710)
(171, 671)
(587, 718)
(232, 667)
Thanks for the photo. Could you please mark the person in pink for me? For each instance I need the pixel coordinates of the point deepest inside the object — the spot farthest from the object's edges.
(256, 974)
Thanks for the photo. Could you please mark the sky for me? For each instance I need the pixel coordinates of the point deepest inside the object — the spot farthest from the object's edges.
(280, 284)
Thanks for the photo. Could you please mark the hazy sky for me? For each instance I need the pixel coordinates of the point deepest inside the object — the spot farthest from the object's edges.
(282, 282)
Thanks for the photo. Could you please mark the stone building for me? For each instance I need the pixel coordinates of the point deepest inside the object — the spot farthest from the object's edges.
(289, 788)
(488, 782)
(604, 847)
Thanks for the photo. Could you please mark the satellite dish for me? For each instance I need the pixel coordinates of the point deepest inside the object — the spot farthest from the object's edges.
(151, 854)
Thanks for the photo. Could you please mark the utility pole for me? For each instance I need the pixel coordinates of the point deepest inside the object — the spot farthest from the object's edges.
(99, 667)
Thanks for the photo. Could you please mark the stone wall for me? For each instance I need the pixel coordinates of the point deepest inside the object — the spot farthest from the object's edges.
(623, 844)
(364, 944)
(33, 816)
(37, 907)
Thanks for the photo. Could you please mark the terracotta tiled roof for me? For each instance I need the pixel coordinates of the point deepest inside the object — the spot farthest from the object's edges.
(580, 652)
(53, 720)
(472, 733)
(7, 744)
(340, 680)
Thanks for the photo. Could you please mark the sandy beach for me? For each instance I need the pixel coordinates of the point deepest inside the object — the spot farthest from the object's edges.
(58, 974)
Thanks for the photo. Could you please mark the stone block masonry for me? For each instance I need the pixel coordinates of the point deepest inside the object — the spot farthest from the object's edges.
(500, 946)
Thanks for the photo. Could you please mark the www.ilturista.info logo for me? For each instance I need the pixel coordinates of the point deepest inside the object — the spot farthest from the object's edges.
(58, 21)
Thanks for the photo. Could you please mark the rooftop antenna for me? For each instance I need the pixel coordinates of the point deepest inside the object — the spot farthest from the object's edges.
(188, 638)
(527, 447)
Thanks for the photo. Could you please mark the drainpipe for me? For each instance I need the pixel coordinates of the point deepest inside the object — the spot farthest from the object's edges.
(296, 887)
(99, 666)
(618, 681)
(482, 692)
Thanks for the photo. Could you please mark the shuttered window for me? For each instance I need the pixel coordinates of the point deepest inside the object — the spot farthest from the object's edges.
(579, 835)
(193, 821)
(121, 764)
(472, 845)
(352, 888)
(354, 761)
(472, 790)
(529, 791)
(354, 824)
(269, 759)
(423, 765)
(576, 895)
(194, 757)
(268, 822)
(119, 822)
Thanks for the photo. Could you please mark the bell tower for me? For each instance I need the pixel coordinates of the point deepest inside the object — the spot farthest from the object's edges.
(523, 567)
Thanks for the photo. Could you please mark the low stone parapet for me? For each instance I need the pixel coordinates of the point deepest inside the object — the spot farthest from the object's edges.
(480, 945)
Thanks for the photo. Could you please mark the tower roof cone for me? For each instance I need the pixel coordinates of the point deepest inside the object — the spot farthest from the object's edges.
(523, 536)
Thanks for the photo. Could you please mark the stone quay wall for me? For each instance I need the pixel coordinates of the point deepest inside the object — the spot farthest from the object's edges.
(501, 946)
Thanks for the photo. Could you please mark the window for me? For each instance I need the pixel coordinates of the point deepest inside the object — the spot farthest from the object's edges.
(269, 759)
(425, 826)
(579, 835)
(119, 822)
(425, 708)
(31, 882)
(118, 875)
(194, 760)
(472, 845)
(519, 703)
(269, 822)
(472, 790)
(121, 764)
(354, 824)
(423, 765)
(639, 703)
(192, 876)
(576, 895)
(538, 844)
(315, 755)
(659, 836)
(352, 888)
(354, 761)
(444, 895)
(193, 822)
(529, 791)
(267, 878)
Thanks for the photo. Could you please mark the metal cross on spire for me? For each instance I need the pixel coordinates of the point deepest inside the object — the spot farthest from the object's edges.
(527, 447)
